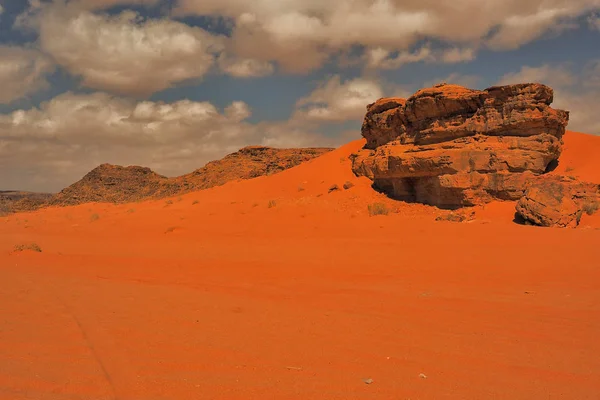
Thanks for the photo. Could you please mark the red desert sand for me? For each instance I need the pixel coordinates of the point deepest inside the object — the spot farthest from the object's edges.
(278, 288)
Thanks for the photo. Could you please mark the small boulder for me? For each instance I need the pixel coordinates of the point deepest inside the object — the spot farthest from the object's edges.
(334, 188)
(556, 201)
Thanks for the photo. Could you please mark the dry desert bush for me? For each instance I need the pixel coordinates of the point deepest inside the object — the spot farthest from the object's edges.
(29, 246)
(378, 209)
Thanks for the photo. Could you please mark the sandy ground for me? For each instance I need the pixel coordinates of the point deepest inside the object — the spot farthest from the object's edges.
(275, 288)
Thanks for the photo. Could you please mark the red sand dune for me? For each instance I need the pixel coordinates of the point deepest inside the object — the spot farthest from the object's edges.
(219, 296)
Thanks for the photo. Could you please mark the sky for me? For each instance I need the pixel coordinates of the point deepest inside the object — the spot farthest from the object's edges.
(173, 84)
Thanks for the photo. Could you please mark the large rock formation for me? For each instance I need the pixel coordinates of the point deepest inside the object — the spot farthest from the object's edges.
(558, 201)
(450, 146)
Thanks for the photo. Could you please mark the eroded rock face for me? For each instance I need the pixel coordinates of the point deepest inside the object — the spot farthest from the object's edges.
(556, 201)
(450, 146)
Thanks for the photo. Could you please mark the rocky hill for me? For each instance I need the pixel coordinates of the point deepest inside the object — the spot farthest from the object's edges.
(117, 184)
(114, 184)
(249, 162)
(451, 147)
(12, 200)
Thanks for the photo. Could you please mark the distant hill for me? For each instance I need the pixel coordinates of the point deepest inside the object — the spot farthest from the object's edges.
(117, 184)
(15, 201)
(249, 162)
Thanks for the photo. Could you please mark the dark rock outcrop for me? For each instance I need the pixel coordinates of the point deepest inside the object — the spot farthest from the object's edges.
(450, 146)
(13, 201)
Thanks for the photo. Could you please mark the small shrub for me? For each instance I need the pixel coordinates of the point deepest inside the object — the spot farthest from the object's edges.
(195, 202)
(569, 169)
(457, 216)
(130, 211)
(451, 217)
(378, 209)
(180, 199)
(591, 207)
(168, 203)
(272, 203)
(300, 188)
(94, 217)
(255, 205)
(348, 185)
(30, 246)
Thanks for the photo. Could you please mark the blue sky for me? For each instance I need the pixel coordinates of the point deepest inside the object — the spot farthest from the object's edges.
(174, 84)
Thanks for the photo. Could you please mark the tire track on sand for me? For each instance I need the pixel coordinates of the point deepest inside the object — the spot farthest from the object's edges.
(121, 377)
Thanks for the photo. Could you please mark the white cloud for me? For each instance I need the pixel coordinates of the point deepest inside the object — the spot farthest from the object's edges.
(577, 93)
(123, 53)
(337, 101)
(238, 111)
(244, 67)
(457, 55)
(49, 147)
(302, 34)
(554, 76)
(519, 29)
(127, 54)
(384, 59)
(22, 72)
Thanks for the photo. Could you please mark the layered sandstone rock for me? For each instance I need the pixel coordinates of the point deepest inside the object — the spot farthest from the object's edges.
(450, 146)
(557, 201)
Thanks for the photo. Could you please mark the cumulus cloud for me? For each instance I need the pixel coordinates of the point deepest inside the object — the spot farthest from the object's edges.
(49, 147)
(128, 54)
(381, 58)
(337, 101)
(555, 76)
(577, 93)
(123, 53)
(244, 67)
(302, 34)
(22, 72)
(457, 55)
(385, 59)
(519, 29)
